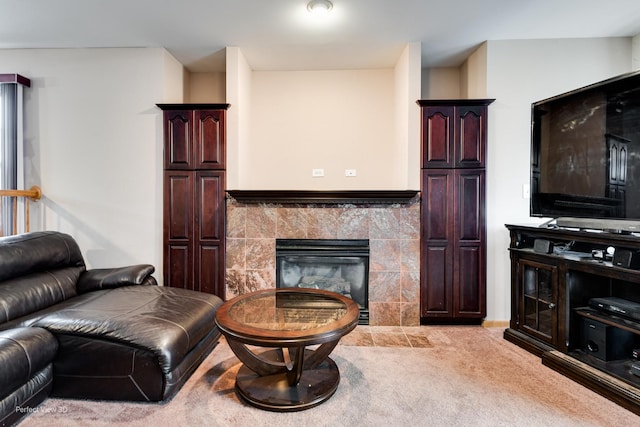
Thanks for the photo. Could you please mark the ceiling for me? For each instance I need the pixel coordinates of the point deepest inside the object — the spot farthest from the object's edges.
(278, 34)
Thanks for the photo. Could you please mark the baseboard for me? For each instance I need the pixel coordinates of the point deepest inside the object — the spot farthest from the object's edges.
(495, 324)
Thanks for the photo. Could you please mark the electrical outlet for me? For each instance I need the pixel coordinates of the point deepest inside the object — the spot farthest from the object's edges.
(350, 172)
(317, 173)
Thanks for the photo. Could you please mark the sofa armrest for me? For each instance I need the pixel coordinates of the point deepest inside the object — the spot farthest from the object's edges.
(106, 278)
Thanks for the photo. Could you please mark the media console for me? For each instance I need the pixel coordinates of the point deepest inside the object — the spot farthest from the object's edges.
(558, 278)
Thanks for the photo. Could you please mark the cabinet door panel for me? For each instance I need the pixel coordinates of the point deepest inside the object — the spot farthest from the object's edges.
(470, 207)
(436, 291)
(179, 205)
(437, 211)
(210, 205)
(470, 134)
(469, 247)
(177, 265)
(209, 268)
(209, 134)
(469, 289)
(178, 136)
(437, 137)
(178, 229)
(437, 243)
(210, 223)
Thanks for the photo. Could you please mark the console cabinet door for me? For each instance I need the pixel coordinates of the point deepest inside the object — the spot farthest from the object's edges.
(538, 284)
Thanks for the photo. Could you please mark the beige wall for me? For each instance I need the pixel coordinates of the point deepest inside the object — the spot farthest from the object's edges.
(474, 79)
(520, 72)
(93, 143)
(333, 120)
(284, 124)
(175, 78)
(207, 88)
(441, 83)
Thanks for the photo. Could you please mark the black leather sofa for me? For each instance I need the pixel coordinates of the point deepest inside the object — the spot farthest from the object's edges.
(110, 334)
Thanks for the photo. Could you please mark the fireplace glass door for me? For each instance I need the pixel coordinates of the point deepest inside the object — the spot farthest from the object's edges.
(341, 266)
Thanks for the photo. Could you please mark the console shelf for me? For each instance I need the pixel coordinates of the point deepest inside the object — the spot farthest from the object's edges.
(609, 319)
(553, 277)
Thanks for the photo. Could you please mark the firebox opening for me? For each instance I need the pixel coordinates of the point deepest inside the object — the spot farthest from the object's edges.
(341, 266)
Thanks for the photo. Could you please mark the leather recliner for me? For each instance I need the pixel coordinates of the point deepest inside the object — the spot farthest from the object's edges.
(98, 334)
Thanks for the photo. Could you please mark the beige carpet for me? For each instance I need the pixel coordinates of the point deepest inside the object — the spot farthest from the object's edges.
(466, 376)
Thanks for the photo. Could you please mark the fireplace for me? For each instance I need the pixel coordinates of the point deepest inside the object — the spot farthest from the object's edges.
(340, 266)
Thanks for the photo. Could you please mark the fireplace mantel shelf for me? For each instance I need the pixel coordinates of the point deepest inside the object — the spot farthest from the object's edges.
(324, 197)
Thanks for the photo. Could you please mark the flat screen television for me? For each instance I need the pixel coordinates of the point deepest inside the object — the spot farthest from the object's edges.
(585, 156)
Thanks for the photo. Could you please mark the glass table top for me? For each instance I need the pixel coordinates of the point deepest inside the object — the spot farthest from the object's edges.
(287, 309)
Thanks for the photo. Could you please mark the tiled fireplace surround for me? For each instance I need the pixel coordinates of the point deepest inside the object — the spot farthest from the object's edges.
(393, 231)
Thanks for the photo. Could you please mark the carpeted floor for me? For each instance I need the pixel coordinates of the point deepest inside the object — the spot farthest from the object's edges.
(423, 376)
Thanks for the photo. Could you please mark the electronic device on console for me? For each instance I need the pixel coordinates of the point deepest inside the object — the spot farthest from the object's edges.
(618, 306)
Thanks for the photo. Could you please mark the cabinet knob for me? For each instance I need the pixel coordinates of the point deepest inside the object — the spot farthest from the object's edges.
(552, 305)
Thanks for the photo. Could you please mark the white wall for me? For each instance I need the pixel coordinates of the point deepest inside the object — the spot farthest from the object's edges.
(93, 142)
(519, 73)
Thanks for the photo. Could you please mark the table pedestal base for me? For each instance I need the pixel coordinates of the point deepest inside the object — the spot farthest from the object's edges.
(273, 392)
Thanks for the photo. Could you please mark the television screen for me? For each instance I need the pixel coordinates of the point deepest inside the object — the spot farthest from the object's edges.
(585, 152)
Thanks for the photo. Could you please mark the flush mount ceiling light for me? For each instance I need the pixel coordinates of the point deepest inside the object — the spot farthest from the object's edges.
(319, 6)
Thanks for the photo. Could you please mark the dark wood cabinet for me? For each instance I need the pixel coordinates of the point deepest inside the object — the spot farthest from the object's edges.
(453, 244)
(194, 197)
(454, 133)
(194, 139)
(453, 230)
(553, 278)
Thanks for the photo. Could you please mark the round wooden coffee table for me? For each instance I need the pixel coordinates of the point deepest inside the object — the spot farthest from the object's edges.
(290, 376)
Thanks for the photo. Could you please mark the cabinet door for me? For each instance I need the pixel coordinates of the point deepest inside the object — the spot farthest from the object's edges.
(178, 139)
(178, 229)
(469, 277)
(194, 139)
(470, 132)
(209, 136)
(437, 136)
(437, 244)
(538, 285)
(209, 265)
(453, 243)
